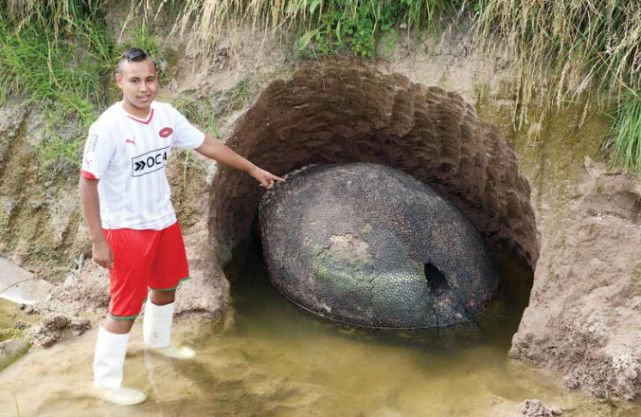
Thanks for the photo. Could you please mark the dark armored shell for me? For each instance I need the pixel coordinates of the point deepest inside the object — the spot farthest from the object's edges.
(369, 245)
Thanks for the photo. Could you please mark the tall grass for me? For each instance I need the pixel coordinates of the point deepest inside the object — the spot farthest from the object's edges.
(35, 65)
(57, 53)
(323, 26)
(571, 51)
(567, 46)
(54, 55)
(61, 15)
(625, 136)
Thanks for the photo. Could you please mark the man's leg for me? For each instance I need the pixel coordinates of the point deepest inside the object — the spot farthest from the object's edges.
(108, 364)
(118, 326)
(128, 289)
(161, 298)
(157, 321)
(109, 357)
(168, 270)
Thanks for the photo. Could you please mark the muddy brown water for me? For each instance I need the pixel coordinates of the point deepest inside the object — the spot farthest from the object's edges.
(272, 359)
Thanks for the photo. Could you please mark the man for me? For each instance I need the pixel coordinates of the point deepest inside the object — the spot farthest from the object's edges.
(126, 202)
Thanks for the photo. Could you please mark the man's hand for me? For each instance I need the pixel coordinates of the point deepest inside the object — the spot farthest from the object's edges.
(102, 254)
(265, 178)
(218, 151)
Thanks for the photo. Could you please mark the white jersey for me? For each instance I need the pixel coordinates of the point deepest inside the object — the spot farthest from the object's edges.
(128, 155)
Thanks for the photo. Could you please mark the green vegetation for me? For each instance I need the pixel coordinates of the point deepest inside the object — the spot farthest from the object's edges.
(198, 111)
(568, 52)
(566, 47)
(625, 136)
(325, 27)
(358, 25)
(57, 54)
(54, 56)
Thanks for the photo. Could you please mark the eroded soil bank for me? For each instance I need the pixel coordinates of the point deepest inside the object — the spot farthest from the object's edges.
(583, 317)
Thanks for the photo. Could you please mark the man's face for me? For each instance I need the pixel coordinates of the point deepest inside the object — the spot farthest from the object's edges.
(138, 82)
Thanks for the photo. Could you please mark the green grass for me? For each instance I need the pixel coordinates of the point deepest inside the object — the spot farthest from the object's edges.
(567, 47)
(54, 57)
(323, 27)
(57, 55)
(44, 70)
(625, 135)
(583, 52)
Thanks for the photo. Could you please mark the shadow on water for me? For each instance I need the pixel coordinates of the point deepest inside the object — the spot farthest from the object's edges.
(260, 307)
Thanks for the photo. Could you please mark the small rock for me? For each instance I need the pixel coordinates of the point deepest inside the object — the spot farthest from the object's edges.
(536, 408)
(37, 205)
(57, 327)
(79, 326)
(48, 340)
(55, 322)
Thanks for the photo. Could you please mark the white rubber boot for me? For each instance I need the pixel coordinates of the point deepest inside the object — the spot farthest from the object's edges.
(108, 362)
(156, 331)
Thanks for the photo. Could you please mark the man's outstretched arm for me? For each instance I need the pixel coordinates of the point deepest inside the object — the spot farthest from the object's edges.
(218, 151)
(101, 250)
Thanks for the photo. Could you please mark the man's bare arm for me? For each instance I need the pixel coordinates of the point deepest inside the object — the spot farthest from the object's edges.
(101, 250)
(218, 151)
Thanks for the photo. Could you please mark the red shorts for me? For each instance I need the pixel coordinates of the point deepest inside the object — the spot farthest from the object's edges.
(143, 259)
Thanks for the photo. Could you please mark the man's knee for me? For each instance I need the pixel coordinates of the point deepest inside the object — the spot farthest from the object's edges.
(118, 326)
(161, 298)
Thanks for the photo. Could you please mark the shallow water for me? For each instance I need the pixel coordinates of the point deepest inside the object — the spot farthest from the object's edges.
(272, 359)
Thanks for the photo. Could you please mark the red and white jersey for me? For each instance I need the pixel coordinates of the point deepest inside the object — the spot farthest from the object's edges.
(128, 155)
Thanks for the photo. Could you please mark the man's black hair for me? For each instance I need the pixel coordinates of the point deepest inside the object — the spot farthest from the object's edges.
(133, 55)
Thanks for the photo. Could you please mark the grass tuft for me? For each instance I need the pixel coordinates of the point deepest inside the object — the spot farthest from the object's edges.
(625, 136)
(572, 52)
(54, 57)
(565, 51)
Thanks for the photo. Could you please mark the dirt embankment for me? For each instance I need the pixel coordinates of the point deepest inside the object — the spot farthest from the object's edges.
(584, 316)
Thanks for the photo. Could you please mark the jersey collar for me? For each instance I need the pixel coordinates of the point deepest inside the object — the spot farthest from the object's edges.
(137, 119)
